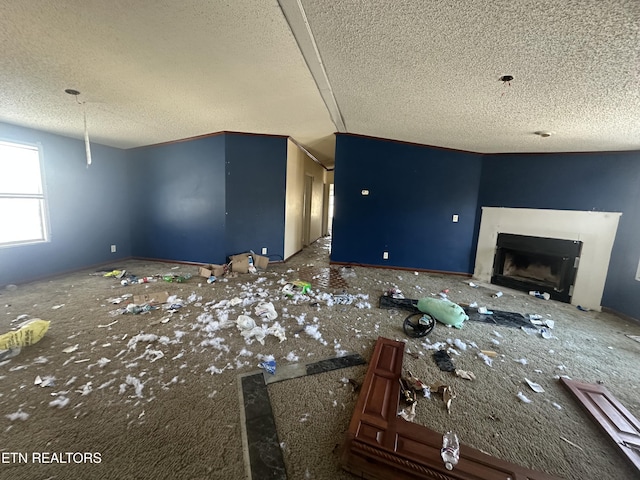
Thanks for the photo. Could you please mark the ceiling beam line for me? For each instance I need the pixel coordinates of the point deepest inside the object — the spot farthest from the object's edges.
(299, 24)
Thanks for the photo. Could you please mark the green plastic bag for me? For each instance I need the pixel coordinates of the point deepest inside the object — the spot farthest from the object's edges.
(443, 310)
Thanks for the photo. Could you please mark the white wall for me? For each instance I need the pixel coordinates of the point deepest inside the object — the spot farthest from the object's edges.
(293, 200)
(298, 165)
(596, 231)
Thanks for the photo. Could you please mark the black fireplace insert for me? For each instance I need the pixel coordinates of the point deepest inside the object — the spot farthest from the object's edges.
(537, 263)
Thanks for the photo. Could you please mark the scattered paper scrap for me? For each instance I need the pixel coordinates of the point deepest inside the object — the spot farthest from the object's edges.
(108, 325)
(486, 359)
(408, 413)
(71, 349)
(534, 386)
(446, 391)
(19, 415)
(59, 402)
(465, 374)
(571, 443)
(523, 398)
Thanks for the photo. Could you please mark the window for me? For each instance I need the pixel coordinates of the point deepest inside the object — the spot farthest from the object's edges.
(22, 199)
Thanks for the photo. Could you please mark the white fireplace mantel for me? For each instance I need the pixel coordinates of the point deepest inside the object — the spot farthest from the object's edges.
(596, 231)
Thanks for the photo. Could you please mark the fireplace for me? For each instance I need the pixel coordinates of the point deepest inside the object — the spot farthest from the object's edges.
(530, 263)
(595, 230)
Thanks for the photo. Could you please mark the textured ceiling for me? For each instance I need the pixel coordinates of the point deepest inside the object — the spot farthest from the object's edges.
(418, 71)
(158, 71)
(428, 71)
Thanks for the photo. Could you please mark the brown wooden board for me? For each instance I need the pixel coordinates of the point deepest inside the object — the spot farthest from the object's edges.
(611, 415)
(382, 446)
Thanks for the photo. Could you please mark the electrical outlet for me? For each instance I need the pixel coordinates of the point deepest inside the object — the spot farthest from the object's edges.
(455, 219)
(113, 249)
(264, 250)
(385, 255)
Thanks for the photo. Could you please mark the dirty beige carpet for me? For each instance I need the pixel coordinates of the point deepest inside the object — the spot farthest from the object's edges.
(157, 400)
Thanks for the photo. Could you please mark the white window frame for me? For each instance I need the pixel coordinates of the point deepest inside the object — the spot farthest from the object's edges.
(44, 212)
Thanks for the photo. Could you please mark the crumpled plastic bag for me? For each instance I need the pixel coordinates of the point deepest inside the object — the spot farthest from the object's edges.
(443, 310)
(248, 329)
(29, 333)
(269, 366)
(266, 310)
(277, 330)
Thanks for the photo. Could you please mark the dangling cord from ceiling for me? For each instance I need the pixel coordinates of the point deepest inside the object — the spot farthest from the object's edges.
(87, 145)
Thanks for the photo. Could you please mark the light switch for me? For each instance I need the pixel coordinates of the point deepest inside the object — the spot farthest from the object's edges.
(455, 219)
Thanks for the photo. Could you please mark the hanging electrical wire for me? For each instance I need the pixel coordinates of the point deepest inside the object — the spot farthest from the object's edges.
(87, 144)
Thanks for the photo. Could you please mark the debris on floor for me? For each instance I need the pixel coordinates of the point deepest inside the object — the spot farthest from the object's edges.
(269, 366)
(447, 393)
(465, 374)
(408, 413)
(534, 386)
(523, 397)
(28, 333)
(443, 360)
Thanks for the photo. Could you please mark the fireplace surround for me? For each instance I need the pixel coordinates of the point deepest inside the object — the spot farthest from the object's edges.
(525, 262)
(596, 231)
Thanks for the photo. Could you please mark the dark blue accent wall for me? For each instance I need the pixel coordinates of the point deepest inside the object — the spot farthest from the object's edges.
(88, 208)
(590, 181)
(178, 209)
(256, 171)
(413, 192)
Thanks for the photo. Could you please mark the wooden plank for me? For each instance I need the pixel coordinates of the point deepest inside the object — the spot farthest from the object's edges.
(382, 446)
(611, 415)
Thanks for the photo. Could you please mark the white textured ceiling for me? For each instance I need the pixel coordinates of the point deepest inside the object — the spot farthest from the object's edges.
(156, 71)
(417, 71)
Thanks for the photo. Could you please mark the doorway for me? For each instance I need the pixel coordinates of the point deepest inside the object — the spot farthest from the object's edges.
(306, 210)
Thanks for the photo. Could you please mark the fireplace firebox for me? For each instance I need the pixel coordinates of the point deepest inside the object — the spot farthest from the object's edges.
(530, 263)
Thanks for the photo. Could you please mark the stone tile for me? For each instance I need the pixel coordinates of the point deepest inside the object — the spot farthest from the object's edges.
(286, 372)
(322, 366)
(264, 449)
(256, 397)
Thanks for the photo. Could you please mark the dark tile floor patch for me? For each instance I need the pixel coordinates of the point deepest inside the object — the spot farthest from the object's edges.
(335, 363)
(503, 319)
(265, 455)
(323, 277)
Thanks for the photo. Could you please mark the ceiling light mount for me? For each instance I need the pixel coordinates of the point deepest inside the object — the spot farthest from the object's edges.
(543, 133)
(506, 78)
(71, 91)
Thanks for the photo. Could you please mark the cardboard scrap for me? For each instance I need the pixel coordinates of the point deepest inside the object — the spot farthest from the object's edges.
(211, 270)
(151, 298)
(447, 393)
(465, 374)
(489, 353)
(240, 262)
